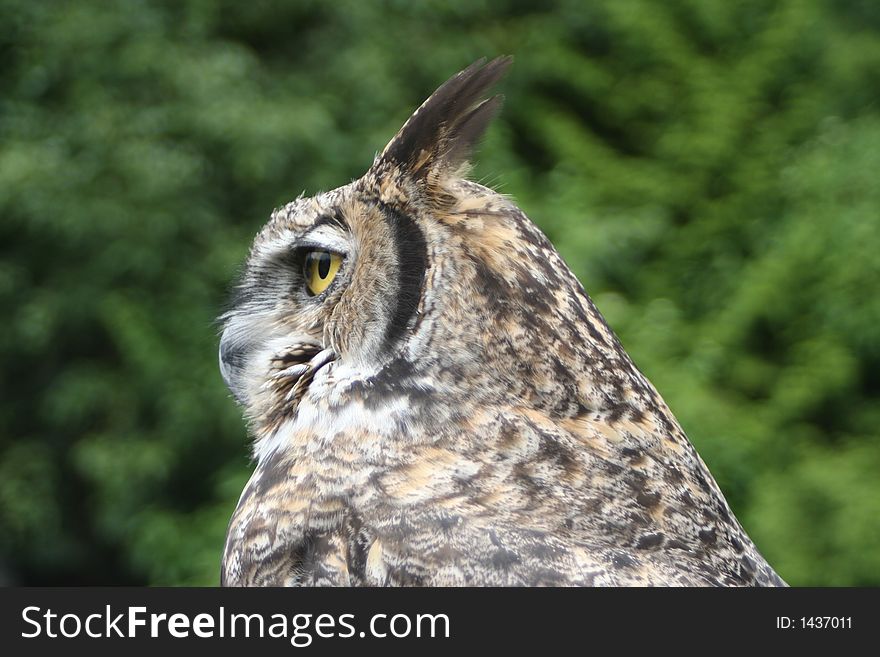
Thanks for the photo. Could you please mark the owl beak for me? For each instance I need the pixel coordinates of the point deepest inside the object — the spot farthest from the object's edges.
(232, 358)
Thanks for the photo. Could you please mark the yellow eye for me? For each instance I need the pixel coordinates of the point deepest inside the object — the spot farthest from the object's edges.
(320, 269)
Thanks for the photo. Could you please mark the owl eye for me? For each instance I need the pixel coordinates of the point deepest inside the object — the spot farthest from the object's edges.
(320, 269)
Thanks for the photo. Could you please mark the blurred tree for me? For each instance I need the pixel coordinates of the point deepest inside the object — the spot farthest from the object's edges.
(708, 168)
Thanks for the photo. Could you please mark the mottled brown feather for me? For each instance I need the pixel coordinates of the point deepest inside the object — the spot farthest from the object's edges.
(466, 415)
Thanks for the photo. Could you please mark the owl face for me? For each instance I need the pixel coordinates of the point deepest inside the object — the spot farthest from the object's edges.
(337, 276)
(413, 288)
(341, 276)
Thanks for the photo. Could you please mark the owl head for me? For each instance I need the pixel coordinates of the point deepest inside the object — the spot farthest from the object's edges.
(410, 276)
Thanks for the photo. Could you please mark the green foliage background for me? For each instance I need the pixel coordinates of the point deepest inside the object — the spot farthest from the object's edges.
(710, 169)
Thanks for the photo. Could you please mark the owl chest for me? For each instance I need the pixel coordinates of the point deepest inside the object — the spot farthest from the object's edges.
(319, 528)
(305, 517)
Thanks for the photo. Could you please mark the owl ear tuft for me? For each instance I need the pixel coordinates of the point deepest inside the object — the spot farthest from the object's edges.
(441, 134)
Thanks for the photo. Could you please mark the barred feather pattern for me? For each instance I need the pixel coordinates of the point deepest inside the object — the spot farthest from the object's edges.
(454, 410)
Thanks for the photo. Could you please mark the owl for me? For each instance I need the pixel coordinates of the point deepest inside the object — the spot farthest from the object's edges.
(435, 400)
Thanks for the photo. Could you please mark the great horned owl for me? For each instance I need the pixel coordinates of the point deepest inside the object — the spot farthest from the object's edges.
(435, 400)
